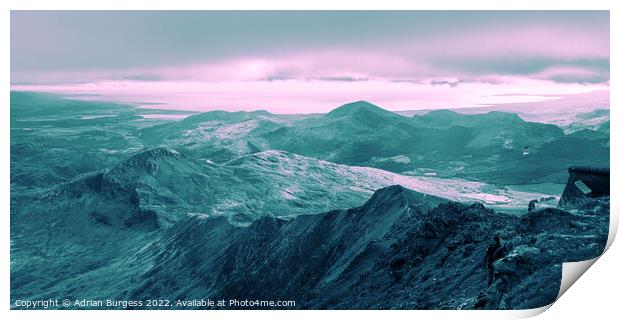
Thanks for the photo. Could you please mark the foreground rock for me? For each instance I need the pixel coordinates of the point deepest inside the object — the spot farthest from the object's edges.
(400, 250)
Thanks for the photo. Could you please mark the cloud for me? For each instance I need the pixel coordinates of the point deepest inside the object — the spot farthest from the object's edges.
(431, 48)
(339, 78)
(301, 96)
(573, 74)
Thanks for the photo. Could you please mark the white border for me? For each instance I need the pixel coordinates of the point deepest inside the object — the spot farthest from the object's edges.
(596, 296)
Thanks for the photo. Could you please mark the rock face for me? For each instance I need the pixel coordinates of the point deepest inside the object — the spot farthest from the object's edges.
(400, 250)
(150, 189)
(585, 183)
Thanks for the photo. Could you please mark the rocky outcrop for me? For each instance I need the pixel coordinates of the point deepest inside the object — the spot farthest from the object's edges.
(584, 184)
(400, 250)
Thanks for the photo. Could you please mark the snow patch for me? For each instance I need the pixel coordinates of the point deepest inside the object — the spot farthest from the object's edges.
(398, 159)
(235, 130)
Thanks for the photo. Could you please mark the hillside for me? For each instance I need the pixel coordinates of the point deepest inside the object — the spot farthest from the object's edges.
(362, 134)
(399, 250)
(158, 187)
(371, 210)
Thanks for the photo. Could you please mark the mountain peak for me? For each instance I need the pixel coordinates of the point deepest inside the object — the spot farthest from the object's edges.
(147, 160)
(355, 107)
(395, 194)
(501, 115)
(156, 153)
(442, 112)
(447, 118)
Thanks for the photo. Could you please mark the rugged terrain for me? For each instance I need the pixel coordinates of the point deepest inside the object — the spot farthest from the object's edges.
(357, 208)
(486, 147)
(400, 250)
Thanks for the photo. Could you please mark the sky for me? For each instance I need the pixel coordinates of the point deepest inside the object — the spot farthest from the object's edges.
(311, 61)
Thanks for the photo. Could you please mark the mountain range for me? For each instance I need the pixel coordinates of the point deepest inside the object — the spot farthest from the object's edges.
(158, 187)
(357, 208)
(361, 134)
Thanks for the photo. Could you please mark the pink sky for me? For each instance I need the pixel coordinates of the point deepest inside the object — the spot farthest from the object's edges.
(295, 96)
(306, 62)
